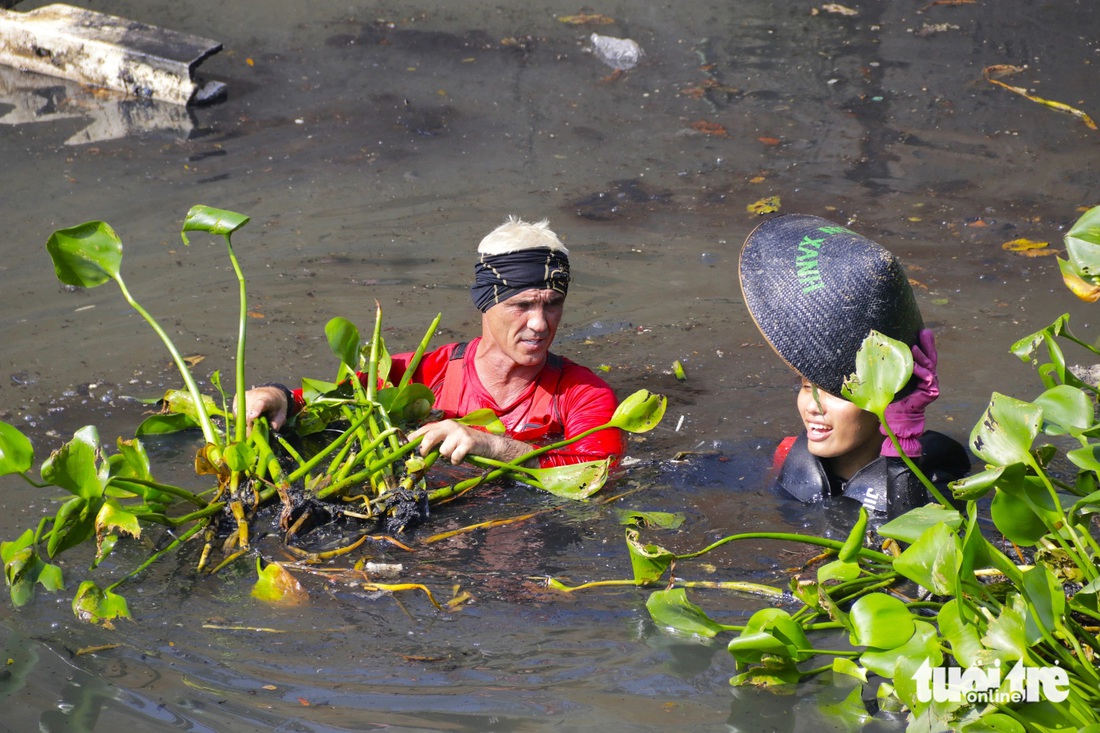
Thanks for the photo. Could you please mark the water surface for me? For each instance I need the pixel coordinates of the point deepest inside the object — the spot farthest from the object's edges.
(373, 144)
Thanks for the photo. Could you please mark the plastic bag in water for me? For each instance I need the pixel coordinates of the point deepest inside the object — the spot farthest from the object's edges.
(618, 53)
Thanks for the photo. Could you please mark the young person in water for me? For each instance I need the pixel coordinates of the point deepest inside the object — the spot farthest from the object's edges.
(815, 290)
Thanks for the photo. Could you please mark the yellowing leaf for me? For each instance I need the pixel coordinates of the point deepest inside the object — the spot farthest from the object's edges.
(1023, 245)
(395, 587)
(838, 9)
(586, 19)
(277, 585)
(1061, 107)
(768, 205)
(1086, 291)
(113, 517)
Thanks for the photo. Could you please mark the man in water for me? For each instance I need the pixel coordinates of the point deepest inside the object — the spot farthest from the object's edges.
(520, 282)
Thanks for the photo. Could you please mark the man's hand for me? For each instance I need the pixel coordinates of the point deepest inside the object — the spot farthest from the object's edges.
(456, 441)
(268, 401)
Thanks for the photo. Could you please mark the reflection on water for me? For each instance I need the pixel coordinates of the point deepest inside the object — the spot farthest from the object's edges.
(37, 99)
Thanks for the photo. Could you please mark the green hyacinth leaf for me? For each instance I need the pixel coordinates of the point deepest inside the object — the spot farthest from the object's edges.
(183, 402)
(343, 340)
(1065, 410)
(24, 568)
(771, 632)
(74, 466)
(134, 461)
(158, 424)
(995, 723)
(910, 526)
(1005, 634)
(966, 642)
(1006, 431)
(86, 255)
(73, 523)
(1083, 244)
(97, 606)
(410, 404)
(1025, 348)
(777, 672)
(883, 366)
(849, 712)
(8, 549)
(838, 570)
(672, 609)
(640, 412)
(650, 520)
(16, 451)
(1023, 512)
(974, 487)
(933, 561)
(1046, 603)
(880, 621)
(240, 457)
(648, 561)
(215, 221)
(576, 481)
(485, 419)
(922, 644)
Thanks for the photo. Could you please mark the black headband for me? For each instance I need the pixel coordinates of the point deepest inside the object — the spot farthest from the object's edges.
(499, 277)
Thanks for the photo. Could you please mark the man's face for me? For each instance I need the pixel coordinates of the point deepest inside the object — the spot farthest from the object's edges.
(523, 327)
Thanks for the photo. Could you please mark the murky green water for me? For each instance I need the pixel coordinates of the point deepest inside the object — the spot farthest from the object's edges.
(373, 144)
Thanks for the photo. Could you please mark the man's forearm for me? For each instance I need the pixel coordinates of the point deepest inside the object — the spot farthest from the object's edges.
(506, 450)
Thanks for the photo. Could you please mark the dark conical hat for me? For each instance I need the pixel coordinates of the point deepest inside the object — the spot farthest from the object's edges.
(816, 289)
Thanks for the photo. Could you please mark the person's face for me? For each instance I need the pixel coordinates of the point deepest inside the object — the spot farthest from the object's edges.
(523, 327)
(836, 428)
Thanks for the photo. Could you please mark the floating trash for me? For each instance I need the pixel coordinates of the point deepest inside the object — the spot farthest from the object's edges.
(621, 54)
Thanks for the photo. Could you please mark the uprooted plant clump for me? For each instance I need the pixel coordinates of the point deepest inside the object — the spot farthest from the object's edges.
(347, 460)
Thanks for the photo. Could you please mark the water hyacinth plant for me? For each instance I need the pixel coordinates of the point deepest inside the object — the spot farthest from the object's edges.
(360, 464)
(954, 628)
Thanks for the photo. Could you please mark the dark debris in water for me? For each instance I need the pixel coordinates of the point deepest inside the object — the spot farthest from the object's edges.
(405, 510)
(623, 198)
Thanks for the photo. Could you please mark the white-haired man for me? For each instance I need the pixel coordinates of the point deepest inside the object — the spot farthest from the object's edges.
(520, 283)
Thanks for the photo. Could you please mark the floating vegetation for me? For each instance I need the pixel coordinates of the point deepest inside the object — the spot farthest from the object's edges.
(925, 615)
(360, 466)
